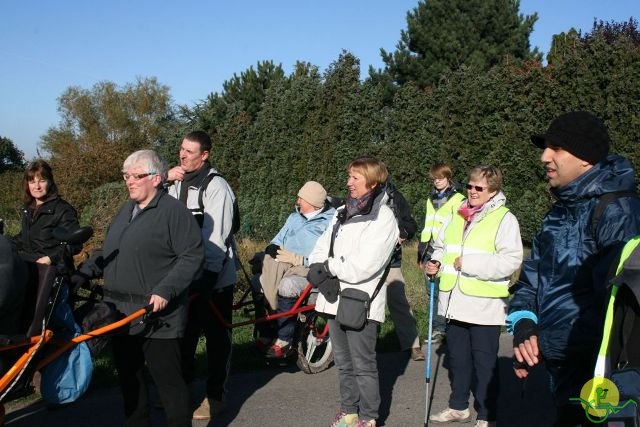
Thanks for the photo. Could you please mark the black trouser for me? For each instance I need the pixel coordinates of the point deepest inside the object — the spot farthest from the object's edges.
(163, 361)
(567, 378)
(473, 352)
(218, 339)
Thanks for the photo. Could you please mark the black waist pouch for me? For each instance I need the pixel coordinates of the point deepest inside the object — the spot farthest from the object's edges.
(353, 308)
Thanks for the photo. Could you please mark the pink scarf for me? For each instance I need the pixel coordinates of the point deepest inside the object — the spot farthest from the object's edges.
(469, 212)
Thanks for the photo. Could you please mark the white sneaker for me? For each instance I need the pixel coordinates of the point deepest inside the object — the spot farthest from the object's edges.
(449, 415)
(484, 423)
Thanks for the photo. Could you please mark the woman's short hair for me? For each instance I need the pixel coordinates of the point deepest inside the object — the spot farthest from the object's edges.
(491, 173)
(38, 169)
(373, 170)
(441, 170)
(149, 160)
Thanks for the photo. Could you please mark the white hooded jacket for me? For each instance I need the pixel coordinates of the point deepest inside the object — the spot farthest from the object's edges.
(362, 249)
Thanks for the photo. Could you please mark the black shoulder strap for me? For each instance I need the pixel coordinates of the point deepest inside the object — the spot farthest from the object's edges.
(382, 280)
(334, 232)
(203, 185)
(603, 202)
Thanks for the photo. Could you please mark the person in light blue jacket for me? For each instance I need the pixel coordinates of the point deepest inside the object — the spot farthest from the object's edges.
(285, 264)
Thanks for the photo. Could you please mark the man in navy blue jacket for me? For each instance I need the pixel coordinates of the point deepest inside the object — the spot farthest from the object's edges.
(557, 311)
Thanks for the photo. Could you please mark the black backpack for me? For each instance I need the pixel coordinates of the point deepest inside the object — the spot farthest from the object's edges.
(199, 214)
(624, 341)
(603, 202)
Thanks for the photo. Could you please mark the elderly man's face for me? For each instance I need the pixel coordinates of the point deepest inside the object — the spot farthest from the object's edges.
(191, 156)
(142, 184)
(304, 206)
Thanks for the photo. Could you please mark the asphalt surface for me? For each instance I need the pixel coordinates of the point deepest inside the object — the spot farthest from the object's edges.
(285, 396)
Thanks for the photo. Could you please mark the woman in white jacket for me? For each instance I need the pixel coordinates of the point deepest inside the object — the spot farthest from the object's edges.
(365, 232)
(475, 254)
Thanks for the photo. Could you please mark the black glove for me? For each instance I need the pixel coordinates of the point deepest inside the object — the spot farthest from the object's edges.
(330, 288)
(318, 272)
(523, 330)
(321, 278)
(272, 250)
(79, 280)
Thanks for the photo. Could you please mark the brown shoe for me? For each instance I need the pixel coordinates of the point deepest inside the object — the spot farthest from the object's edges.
(202, 412)
(417, 354)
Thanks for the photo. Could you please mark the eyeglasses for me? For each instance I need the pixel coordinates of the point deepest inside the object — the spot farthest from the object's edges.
(476, 187)
(137, 176)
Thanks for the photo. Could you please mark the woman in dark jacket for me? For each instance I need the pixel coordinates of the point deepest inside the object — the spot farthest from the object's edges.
(43, 211)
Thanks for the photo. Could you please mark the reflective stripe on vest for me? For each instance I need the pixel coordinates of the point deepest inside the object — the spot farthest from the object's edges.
(603, 353)
(433, 219)
(480, 240)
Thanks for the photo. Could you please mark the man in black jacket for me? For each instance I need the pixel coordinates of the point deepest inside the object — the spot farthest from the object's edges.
(151, 254)
(403, 320)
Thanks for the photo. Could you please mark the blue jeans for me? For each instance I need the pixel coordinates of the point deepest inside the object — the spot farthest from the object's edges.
(286, 325)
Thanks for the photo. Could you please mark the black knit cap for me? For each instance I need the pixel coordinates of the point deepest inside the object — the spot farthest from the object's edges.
(580, 133)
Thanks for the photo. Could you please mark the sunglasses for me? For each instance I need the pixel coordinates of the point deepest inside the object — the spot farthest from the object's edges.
(476, 187)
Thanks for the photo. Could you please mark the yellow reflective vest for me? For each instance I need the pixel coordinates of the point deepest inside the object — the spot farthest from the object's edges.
(480, 239)
(434, 219)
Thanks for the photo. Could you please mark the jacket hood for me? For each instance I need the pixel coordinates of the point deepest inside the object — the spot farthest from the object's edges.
(614, 173)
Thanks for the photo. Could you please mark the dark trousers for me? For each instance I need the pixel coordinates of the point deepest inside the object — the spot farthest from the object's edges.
(473, 355)
(286, 325)
(218, 339)
(567, 378)
(162, 357)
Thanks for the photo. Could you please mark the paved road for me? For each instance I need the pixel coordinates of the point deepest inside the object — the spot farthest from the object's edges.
(284, 396)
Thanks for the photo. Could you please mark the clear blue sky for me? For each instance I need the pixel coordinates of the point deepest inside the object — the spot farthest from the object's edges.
(194, 46)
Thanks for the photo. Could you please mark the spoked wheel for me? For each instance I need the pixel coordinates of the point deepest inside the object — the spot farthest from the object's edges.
(314, 346)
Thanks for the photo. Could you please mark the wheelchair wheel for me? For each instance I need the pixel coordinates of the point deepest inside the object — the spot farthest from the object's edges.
(315, 353)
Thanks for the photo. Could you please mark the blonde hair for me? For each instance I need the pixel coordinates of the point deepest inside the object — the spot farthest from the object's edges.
(491, 173)
(373, 170)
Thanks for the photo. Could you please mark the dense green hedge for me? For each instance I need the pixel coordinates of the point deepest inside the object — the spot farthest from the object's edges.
(309, 127)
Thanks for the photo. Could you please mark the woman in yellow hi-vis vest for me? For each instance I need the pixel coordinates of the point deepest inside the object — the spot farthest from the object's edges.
(475, 254)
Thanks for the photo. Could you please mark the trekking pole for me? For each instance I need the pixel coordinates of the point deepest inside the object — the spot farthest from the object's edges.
(431, 283)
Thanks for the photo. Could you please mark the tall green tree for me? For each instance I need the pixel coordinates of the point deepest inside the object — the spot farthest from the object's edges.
(99, 128)
(443, 35)
(11, 157)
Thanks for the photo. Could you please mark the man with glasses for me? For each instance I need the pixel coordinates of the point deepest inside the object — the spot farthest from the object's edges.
(150, 255)
(208, 196)
(557, 311)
